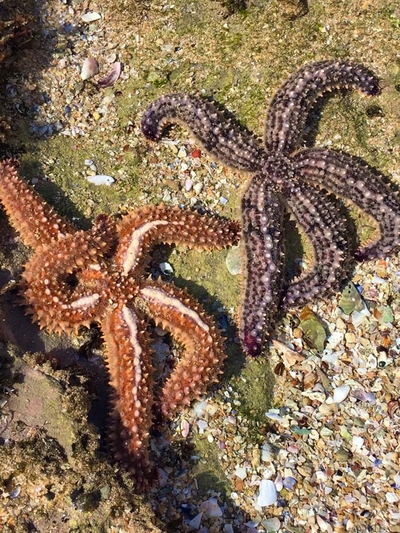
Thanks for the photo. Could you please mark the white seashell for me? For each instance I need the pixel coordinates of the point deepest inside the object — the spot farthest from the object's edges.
(91, 16)
(188, 185)
(358, 317)
(340, 393)
(90, 68)
(330, 357)
(200, 408)
(268, 494)
(391, 497)
(335, 339)
(100, 179)
(324, 526)
(358, 443)
(274, 416)
(202, 425)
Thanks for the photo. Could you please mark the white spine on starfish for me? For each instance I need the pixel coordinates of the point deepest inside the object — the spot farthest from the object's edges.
(168, 301)
(133, 250)
(131, 322)
(85, 301)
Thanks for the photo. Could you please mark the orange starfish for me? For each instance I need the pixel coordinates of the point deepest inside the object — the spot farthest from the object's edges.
(77, 277)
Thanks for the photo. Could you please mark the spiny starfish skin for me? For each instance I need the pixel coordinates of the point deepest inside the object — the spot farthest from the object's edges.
(75, 278)
(286, 175)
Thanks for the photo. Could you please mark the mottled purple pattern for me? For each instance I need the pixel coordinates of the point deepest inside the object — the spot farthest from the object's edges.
(219, 134)
(286, 176)
(263, 210)
(348, 178)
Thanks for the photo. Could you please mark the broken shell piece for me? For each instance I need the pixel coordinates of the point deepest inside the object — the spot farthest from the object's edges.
(90, 68)
(340, 393)
(358, 317)
(111, 77)
(289, 356)
(211, 508)
(91, 16)
(314, 331)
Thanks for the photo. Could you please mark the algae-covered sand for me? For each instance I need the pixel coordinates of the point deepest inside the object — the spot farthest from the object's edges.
(56, 472)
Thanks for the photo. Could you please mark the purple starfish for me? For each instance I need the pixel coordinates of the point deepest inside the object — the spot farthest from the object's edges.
(287, 176)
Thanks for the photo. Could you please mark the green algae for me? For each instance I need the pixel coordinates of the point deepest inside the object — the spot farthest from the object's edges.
(255, 388)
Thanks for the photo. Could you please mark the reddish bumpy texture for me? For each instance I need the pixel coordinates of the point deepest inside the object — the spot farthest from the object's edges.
(286, 176)
(77, 277)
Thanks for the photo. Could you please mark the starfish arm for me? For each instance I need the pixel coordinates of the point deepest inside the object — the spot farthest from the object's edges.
(65, 284)
(326, 228)
(31, 216)
(346, 177)
(130, 369)
(292, 103)
(218, 134)
(143, 228)
(203, 356)
(262, 219)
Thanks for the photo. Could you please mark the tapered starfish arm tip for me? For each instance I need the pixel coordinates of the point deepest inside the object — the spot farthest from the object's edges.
(35, 220)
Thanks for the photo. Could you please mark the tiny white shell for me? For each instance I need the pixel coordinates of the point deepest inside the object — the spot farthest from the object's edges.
(91, 16)
(340, 393)
(90, 68)
(100, 179)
